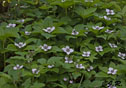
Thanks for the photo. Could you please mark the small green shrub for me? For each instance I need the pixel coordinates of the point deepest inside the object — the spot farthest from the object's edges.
(63, 44)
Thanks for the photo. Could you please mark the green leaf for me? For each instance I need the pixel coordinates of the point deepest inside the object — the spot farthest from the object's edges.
(65, 4)
(38, 85)
(42, 61)
(102, 75)
(124, 10)
(47, 36)
(8, 33)
(96, 83)
(84, 13)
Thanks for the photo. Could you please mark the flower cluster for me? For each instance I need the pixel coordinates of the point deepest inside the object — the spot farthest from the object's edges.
(17, 67)
(20, 44)
(67, 50)
(86, 54)
(11, 25)
(113, 45)
(70, 81)
(97, 28)
(50, 66)
(35, 71)
(27, 33)
(90, 68)
(122, 55)
(68, 60)
(80, 66)
(109, 31)
(110, 12)
(88, 0)
(21, 21)
(107, 18)
(112, 71)
(74, 32)
(99, 48)
(49, 29)
(45, 47)
(111, 86)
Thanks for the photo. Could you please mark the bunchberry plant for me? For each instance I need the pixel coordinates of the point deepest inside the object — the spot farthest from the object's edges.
(62, 43)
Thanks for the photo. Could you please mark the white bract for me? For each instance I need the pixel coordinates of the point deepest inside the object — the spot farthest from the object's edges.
(68, 60)
(27, 33)
(17, 67)
(86, 54)
(50, 66)
(67, 50)
(21, 21)
(99, 48)
(45, 47)
(110, 86)
(49, 29)
(88, 0)
(112, 45)
(110, 12)
(35, 71)
(109, 31)
(122, 55)
(20, 44)
(74, 32)
(71, 81)
(112, 71)
(107, 18)
(65, 79)
(63, 0)
(90, 68)
(97, 28)
(11, 25)
(80, 66)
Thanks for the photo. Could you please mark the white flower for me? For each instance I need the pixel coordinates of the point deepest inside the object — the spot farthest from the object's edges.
(86, 31)
(74, 32)
(24, 7)
(97, 28)
(20, 44)
(68, 60)
(122, 55)
(110, 86)
(21, 21)
(71, 81)
(109, 31)
(80, 66)
(65, 79)
(50, 66)
(10, 25)
(49, 29)
(113, 45)
(45, 47)
(27, 33)
(107, 18)
(112, 71)
(86, 54)
(88, 0)
(110, 12)
(90, 68)
(35, 71)
(63, 0)
(99, 48)
(67, 50)
(17, 67)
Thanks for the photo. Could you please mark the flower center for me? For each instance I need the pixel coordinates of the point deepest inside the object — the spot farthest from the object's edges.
(68, 50)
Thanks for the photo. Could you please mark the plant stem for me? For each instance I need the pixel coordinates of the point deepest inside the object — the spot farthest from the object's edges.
(4, 54)
(66, 11)
(81, 81)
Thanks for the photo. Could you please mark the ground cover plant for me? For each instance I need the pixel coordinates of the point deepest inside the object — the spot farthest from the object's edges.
(62, 44)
